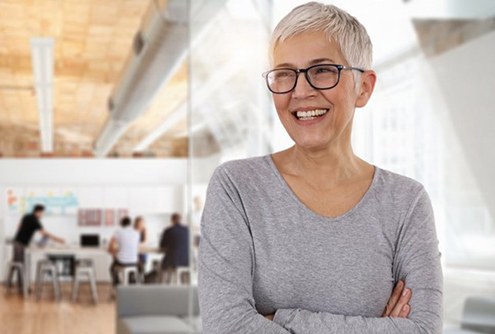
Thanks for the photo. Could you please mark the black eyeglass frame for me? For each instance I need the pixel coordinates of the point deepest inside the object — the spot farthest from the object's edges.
(305, 71)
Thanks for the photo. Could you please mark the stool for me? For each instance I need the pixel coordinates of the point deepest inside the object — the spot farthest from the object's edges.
(19, 268)
(85, 269)
(173, 276)
(125, 271)
(43, 268)
(178, 274)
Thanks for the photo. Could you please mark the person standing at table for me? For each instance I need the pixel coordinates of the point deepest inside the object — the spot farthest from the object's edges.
(140, 227)
(124, 246)
(175, 244)
(29, 225)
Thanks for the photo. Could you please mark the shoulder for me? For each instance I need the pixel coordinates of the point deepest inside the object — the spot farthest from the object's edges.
(244, 171)
(403, 192)
(241, 166)
(397, 184)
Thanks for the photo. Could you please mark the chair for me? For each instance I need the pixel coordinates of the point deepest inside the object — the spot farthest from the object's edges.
(46, 268)
(85, 271)
(173, 276)
(19, 268)
(126, 271)
(178, 274)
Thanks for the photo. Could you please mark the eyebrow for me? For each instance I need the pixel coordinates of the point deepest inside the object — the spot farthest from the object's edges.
(312, 62)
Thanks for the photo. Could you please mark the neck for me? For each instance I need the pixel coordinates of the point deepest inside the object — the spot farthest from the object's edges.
(326, 168)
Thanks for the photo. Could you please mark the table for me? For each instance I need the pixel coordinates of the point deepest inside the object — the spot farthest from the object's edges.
(101, 259)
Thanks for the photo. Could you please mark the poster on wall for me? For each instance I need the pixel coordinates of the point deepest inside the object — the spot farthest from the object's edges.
(89, 217)
(56, 201)
(101, 217)
(109, 217)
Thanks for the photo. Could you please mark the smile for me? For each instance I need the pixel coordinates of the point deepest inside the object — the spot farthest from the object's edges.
(310, 114)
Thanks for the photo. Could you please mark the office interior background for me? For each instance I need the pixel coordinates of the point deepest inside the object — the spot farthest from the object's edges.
(131, 104)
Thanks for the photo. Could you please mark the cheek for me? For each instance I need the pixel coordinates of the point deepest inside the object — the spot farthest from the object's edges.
(281, 103)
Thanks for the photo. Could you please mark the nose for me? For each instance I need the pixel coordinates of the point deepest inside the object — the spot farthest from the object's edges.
(303, 89)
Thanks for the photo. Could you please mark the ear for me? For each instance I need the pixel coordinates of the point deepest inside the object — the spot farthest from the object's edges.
(368, 80)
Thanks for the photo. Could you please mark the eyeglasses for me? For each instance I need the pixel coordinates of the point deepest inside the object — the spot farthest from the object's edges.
(321, 77)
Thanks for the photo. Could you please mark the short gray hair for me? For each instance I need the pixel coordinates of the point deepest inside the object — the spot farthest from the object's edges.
(338, 25)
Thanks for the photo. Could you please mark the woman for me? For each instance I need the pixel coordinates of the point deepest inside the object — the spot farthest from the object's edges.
(140, 227)
(313, 239)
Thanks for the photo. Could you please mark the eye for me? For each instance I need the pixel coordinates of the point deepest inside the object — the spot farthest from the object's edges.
(325, 70)
(282, 74)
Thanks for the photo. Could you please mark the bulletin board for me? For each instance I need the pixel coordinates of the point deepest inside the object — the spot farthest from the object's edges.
(57, 201)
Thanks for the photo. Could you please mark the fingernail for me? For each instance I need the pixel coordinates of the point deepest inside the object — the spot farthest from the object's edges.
(406, 291)
(405, 308)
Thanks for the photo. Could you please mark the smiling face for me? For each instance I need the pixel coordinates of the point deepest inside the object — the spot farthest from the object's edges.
(331, 110)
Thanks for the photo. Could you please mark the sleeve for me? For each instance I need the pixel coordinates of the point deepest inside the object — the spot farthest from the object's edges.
(417, 261)
(38, 226)
(116, 236)
(226, 261)
(163, 241)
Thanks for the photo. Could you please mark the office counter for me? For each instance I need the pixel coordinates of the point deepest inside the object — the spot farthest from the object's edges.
(100, 256)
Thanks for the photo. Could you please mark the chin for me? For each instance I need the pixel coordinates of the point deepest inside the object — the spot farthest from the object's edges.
(310, 144)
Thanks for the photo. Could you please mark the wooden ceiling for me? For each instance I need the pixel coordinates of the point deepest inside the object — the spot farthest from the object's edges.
(92, 41)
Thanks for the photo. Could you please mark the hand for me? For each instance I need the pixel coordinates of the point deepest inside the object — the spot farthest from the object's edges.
(398, 304)
(270, 316)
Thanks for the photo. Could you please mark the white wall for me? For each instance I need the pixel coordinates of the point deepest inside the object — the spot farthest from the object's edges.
(93, 171)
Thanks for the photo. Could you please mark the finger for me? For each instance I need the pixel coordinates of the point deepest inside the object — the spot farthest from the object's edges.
(403, 300)
(396, 293)
(404, 312)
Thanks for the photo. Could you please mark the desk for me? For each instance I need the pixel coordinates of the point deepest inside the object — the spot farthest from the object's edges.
(101, 259)
(152, 254)
(100, 256)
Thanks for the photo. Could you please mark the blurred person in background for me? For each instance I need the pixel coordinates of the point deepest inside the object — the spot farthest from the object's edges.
(140, 227)
(29, 225)
(124, 247)
(175, 244)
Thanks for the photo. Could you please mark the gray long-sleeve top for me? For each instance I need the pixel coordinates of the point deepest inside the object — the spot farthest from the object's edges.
(262, 250)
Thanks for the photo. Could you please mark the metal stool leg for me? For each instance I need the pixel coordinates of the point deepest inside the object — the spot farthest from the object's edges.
(94, 291)
(75, 287)
(56, 284)
(8, 277)
(21, 280)
(38, 283)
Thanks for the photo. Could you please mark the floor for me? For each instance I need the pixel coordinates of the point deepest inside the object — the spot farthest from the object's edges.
(19, 316)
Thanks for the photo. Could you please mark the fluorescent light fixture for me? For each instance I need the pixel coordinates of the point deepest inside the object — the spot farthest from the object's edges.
(42, 57)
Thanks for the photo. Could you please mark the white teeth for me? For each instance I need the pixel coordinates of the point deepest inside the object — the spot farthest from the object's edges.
(310, 114)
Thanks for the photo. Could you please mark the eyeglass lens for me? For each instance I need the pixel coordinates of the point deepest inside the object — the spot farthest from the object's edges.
(319, 76)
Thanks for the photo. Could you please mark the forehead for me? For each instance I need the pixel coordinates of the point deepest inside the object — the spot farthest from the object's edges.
(302, 48)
